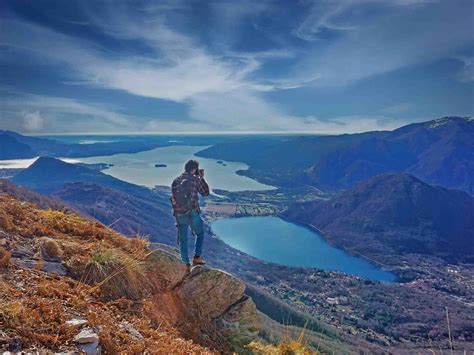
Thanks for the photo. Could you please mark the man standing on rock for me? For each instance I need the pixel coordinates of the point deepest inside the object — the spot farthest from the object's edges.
(185, 191)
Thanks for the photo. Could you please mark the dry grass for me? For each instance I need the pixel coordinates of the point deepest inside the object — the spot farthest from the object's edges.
(5, 256)
(50, 248)
(35, 305)
(39, 264)
(288, 346)
(116, 274)
(6, 222)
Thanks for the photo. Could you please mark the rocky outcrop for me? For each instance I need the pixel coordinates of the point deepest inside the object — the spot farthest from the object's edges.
(84, 286)
(208, 305)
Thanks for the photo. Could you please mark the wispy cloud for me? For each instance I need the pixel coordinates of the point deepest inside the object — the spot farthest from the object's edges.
(466, 74)
(393, 35)
(346, 15)
(217, 89)
(154, 50)
(37, 113)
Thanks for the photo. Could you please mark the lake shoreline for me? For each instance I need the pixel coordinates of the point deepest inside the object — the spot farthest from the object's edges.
(272, 239)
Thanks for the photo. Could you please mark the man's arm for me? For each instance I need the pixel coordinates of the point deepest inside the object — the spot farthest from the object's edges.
(203, 187)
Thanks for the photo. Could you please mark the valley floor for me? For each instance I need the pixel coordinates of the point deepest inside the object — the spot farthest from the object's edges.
(405, 316)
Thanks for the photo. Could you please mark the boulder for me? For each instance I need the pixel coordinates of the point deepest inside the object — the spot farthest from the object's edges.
(88, 342)
(165, 270)
(86, 336)
(210, 305)
(210, 291)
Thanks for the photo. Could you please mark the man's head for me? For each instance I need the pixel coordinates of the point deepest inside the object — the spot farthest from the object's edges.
(191, 166)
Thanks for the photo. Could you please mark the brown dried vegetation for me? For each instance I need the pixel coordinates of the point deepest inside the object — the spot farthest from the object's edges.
(49, 248)
(117, 274)
(105, 266)
(288, 346)
(5, 256)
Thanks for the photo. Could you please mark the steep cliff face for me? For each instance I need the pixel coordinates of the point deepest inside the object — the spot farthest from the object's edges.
(72, 284)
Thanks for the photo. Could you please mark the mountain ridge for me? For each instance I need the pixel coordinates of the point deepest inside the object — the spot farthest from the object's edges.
(11, 148)
(101, 196)
(439, 152)
(395, 213)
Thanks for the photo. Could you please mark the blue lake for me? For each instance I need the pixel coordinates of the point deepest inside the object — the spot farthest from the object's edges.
(139, 168)
(275, 240)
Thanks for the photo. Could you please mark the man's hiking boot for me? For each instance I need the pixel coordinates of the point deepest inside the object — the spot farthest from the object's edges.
(197, 260)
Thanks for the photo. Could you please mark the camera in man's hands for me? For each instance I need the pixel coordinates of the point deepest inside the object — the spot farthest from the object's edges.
(199, 172)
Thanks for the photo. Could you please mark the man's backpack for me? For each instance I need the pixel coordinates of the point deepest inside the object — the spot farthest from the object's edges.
(181, 193)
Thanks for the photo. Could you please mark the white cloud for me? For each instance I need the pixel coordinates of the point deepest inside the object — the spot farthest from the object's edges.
(405, 33)
(32, 122)
(217, 89)
(466, 74)
(345, 15)
(211, 112)
(179, 70)
(223, 91)
(38, 114)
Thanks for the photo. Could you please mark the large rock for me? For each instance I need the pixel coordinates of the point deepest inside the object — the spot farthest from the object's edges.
(164, 269)
(209, 305)
(210, 291)
(240, 323)
(48, 266)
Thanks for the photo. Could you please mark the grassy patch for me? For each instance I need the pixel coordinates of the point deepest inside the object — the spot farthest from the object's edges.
(116, 274)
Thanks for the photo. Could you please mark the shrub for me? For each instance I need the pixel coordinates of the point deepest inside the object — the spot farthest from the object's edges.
(5, 256)
(116, 274)
(50, 249)
(287, 346)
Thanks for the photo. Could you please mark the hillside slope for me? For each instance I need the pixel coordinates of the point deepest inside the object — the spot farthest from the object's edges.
(128, 214)
(439, 152)
(69, 283)
(129, 207)
(47, 174)
(395, 214)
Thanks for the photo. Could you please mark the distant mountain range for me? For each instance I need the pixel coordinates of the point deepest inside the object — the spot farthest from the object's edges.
(10, 148)
(48, 174)
(133, 209)
(395, 214)
(35, 146)
(439, 152)
(39, 146)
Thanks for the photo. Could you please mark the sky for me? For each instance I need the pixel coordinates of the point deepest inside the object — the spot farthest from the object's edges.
(93, 66)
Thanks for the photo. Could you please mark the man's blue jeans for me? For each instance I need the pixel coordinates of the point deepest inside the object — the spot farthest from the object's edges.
(191, 219)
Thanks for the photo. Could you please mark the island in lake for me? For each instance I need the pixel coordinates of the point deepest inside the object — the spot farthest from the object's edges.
(160, 165)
